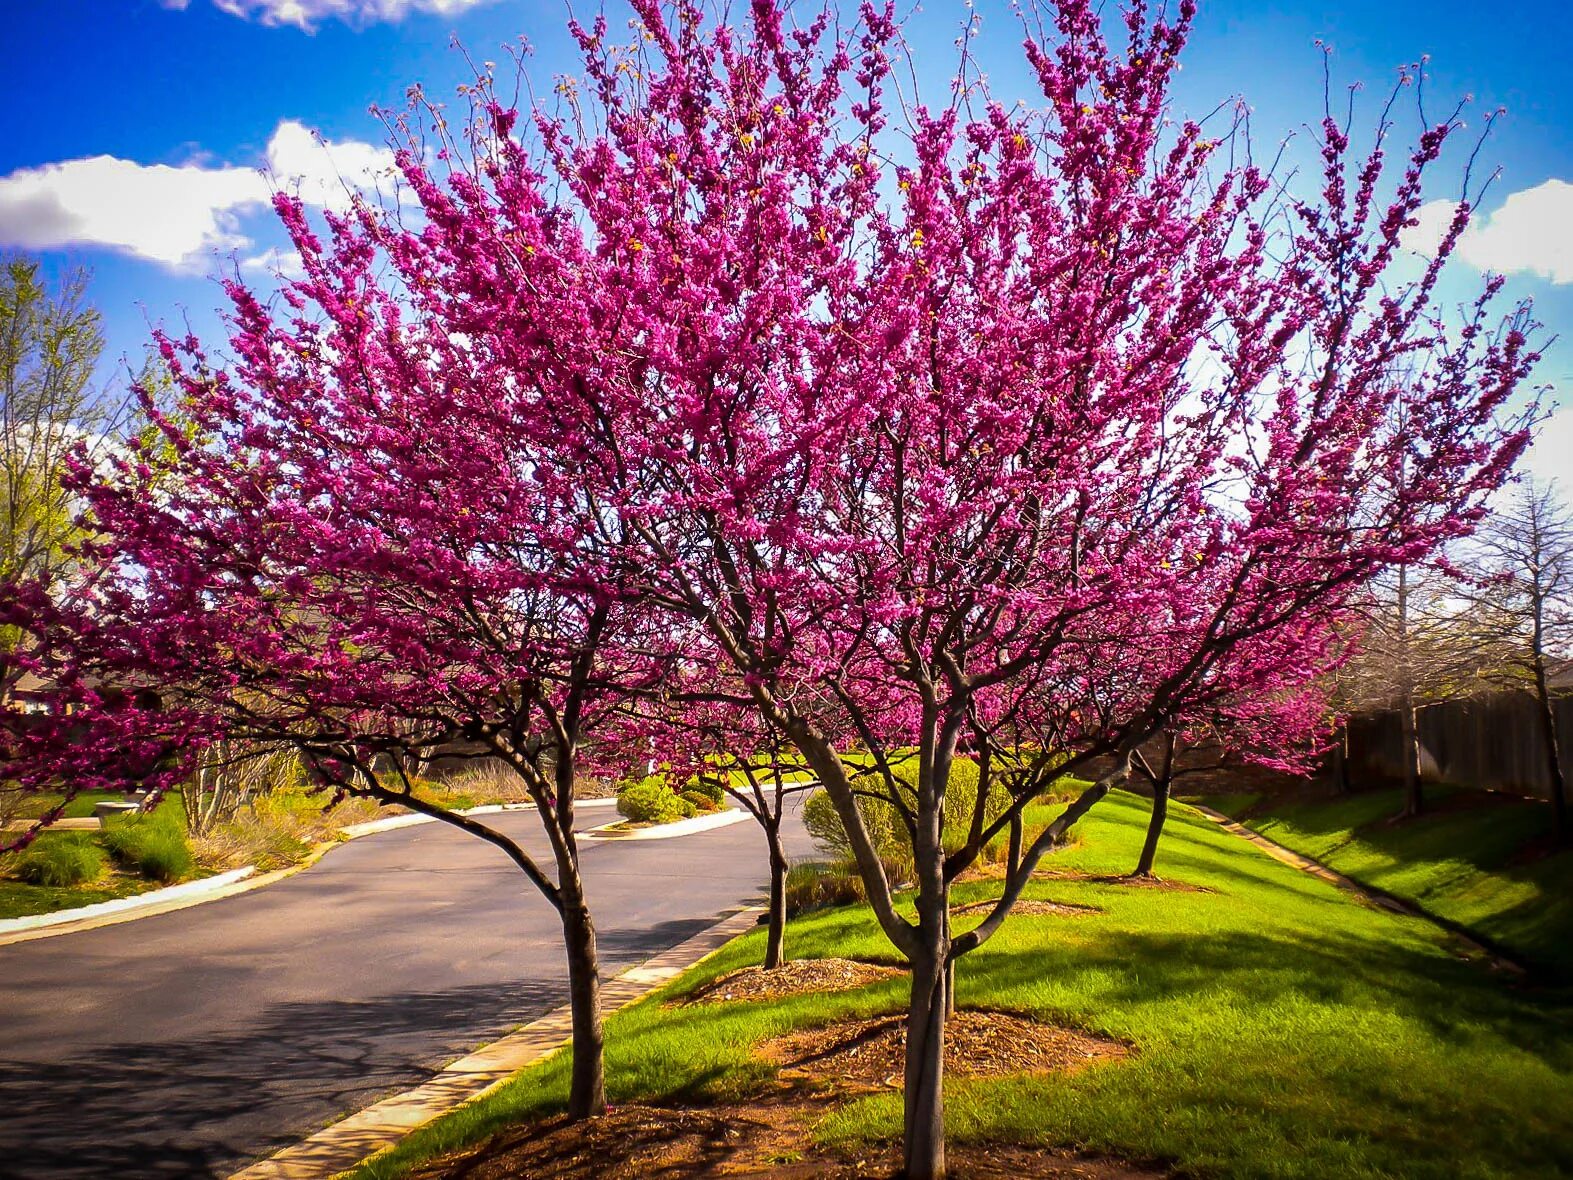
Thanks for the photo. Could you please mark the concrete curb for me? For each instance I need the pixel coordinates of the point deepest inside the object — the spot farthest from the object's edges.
(236, 881)
(682, 827)
(381, 1126)
(153, 897)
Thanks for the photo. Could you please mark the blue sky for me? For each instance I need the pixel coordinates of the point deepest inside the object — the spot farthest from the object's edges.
(103, 92)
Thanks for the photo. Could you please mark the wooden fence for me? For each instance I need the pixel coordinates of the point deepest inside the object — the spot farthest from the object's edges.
(1490, 741)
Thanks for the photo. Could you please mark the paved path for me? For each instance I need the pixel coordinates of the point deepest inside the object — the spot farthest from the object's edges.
(1497, 958)
(188, 1043)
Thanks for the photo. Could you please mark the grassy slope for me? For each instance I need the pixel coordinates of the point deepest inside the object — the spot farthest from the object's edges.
(1283, 1029)
(1464, 862)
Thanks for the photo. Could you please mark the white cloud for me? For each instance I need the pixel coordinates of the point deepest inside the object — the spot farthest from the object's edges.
(324, 172)
(1550, 459)
(174, 215)
(1531, 231)
(308, 14)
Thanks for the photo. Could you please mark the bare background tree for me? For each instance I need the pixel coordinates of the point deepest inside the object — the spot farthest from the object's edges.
(1527, 596)
(1426, 639)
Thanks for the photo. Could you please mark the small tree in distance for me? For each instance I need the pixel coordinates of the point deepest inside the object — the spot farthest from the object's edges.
(1285, 733)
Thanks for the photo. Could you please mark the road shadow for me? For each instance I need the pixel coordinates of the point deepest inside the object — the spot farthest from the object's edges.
(204, 1106)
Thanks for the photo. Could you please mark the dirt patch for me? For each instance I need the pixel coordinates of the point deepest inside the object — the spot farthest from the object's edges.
(796, 977)
(770, 1137)
(1113, 879)
(977, 1044)
(1030, 905)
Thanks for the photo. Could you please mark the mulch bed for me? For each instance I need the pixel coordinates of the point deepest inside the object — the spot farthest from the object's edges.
(977, 1044)
(1031, 905)
(1113, 879)
(766, 1138)
(795, 977)
(771, 1135)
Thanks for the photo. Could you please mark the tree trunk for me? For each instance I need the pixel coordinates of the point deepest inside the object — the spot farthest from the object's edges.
(775, 940)
(1414, 799)
(923, 1145)
(1341, 761)
(923, 1141)
(1414, 790)
(1160, 812)
(587, 1090)
(1548, 732)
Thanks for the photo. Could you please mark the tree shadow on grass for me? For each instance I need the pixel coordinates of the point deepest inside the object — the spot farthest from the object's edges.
(1452, 999)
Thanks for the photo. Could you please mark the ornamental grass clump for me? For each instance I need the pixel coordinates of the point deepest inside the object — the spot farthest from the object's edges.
(153, 846)
(60, 861)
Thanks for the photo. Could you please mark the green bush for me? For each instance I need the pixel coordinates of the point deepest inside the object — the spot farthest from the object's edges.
(700, 802)
(816, 886)
(709, 789)
(886, 830)
(60, 860)
(153, 846)
(652, 801)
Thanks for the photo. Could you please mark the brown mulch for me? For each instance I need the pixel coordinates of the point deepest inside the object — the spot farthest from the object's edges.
(770, 1137)
(977, 1044)
(796, 977)
(1030, 905)
(1114, 879)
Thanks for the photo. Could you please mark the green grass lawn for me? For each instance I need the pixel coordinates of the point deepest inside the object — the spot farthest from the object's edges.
(1281, 1028)
(20, 899)
(1479, 859)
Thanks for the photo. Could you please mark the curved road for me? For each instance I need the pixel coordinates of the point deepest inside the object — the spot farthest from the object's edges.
(189, 1043)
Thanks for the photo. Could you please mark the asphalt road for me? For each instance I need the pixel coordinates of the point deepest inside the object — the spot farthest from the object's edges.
(189, 1043)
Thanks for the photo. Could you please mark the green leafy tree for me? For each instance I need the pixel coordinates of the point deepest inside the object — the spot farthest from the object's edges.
(51, 340)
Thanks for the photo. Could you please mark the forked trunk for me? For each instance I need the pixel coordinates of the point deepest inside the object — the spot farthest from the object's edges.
(1160, 812)
(587, 1089)
(775, 940)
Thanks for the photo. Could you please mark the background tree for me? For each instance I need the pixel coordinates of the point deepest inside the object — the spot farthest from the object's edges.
(51, 341)
(1423, 638)
(1527, 592)
(1284, 732)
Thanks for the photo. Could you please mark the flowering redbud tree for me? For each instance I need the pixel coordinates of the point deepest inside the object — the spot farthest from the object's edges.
(331, 546)
(1284, 731)
(1026, 433)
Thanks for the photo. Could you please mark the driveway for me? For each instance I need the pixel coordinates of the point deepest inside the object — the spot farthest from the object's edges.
(189, 1043)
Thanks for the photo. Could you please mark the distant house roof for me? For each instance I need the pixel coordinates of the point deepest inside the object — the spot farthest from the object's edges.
(1559, 673)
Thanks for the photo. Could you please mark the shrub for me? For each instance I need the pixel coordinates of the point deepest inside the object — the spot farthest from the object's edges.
(153, 846)
(888, 833)
(700, 801)
(815, 886)
(652, 801)
(60, 860)
(710, 788)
